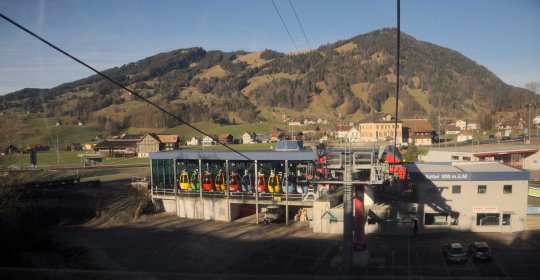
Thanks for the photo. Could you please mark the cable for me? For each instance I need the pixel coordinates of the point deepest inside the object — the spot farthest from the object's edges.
(301, 27)
(117, 83)
(397, 79)
(287, 29)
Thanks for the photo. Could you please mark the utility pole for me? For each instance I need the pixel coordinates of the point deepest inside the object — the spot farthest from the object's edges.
(529, 126)
(57, 150)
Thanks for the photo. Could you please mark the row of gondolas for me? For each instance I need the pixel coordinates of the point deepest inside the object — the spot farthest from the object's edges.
(274, 183)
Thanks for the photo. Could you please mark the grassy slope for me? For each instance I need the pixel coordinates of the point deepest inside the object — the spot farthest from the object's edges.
(20, 131)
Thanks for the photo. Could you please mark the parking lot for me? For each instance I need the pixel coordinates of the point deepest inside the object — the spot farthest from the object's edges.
(165, 247)
(514, 255)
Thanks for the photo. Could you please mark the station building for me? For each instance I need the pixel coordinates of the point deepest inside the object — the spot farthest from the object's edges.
(518, 155)
(448, 196)
(476, 196)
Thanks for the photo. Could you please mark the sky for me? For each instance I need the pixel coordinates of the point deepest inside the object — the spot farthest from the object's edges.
(502, 35)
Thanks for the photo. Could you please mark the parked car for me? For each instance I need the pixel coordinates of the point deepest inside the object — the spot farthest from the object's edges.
(273, 213)
(480, 251)
(454, 252)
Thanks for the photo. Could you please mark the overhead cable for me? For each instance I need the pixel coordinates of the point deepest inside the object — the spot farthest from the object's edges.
(118, 84)
(301, 27)
(284, 25)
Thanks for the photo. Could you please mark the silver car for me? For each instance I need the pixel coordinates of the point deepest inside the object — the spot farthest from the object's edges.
(480, 251)
(454, 252)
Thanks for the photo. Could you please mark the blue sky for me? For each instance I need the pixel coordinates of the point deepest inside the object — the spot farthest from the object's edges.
(502, 35)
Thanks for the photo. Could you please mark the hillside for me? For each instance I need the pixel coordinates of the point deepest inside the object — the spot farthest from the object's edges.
(349, 78)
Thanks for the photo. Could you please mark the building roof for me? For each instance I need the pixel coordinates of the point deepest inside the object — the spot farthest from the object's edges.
(225, 135)
(465, 171)
(342, 127)
(117, 143)
(418, 125)
(300, 155)
(452, 128)
(168, 138)
(488, 148)
(151, 135)
(379, 118)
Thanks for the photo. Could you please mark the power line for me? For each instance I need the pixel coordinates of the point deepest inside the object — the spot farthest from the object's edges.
(301, 27)
(118, 84)
(284, 25)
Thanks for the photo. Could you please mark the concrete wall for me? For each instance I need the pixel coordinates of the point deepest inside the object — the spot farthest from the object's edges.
(442, 156)
(532, 162)
(199, 208)
(437, 197)
(322, 222)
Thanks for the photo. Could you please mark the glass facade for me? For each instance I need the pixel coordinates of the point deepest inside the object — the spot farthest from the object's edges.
(163, 173)
(487, 219)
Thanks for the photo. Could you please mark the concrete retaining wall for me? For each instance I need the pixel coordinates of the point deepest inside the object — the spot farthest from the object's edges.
(199, 208)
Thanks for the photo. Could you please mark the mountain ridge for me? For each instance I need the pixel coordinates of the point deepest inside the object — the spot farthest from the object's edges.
(341, 81)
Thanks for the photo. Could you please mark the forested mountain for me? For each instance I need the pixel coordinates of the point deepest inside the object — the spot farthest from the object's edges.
(349, 78)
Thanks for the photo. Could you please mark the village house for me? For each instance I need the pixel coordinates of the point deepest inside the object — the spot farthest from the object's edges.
(195, 141)
(452, 129)
(8, 149)
(117, 147)
(208, 141)
(536, 121)
(74, 147)
(419, 131)
(226, 138)
(380, 127)
(464, 136)
(151, 142)
(262, 138)
(249, 138)
(342, 131)
(88, 146)
(461, 124)
(277, 135)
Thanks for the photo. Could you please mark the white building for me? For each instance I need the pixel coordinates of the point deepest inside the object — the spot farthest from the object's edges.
(194, 141)
(249, 138)
(441, 197)
(478, 197)
(464, 136)
(208, 141)
(461, 124)
(521, 156)
(353, 135)
(536, 121)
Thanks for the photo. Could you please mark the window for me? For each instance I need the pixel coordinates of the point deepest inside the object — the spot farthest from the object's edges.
(482, 189)
(467, 158)
(435, 219)
(487, 219)
(506, 220)
(455, 157)
(507, 189)
(456, 189)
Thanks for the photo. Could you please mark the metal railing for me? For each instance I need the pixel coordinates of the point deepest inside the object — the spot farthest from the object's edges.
(315, 192)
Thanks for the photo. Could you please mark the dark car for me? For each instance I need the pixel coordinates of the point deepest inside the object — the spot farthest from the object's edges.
(480, 251)
(454, 252)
